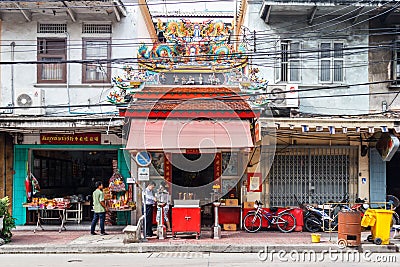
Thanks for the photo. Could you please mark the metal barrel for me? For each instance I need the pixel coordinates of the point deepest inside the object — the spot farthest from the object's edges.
(349, 228)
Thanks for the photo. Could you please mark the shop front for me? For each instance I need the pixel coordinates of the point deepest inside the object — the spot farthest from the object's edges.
(196, 173)
(323, 160)
(314, 174)
(184, 106)
(61, 173)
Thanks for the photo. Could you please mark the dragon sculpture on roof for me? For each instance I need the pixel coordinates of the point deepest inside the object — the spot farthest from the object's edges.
(193, 45)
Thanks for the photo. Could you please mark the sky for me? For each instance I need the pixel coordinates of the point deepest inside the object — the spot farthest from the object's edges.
(188, 6)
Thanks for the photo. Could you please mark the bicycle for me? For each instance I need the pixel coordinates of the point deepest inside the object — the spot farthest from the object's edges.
(284, 220)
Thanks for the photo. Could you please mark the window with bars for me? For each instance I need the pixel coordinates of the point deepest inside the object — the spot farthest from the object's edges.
(289, 68)
(52, 28)
(51, 52)
(396, 63)
(99, 51)
(331, 62)
(96, 28)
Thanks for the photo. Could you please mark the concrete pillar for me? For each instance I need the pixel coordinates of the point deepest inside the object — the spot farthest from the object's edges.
(6, 166)
(363, 176)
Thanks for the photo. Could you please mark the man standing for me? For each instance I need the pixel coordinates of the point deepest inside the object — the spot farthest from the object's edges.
(150, 201)
(99, 208)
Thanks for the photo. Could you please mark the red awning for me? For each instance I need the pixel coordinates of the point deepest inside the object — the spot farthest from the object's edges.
(188, 134)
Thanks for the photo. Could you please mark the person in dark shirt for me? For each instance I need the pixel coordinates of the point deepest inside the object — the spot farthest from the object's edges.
(149, 201)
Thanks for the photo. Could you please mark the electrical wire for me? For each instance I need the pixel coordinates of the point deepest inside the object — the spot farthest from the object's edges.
(100, 62)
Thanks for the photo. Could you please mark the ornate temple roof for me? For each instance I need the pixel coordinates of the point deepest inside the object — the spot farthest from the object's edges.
(186, 92)
(189, 102)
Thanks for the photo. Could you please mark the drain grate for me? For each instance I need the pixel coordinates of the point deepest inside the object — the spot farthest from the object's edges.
(179, 255)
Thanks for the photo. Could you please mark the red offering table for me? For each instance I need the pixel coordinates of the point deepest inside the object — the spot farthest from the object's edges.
(186, 220)
(229, 214)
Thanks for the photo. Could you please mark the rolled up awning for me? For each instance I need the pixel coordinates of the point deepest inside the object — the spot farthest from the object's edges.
(188, 134)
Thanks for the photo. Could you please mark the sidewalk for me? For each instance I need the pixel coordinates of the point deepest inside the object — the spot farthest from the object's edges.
(236, 241)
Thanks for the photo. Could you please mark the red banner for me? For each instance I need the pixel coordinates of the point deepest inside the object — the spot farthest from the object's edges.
(168, 170)
(217, 171)
(71, 139)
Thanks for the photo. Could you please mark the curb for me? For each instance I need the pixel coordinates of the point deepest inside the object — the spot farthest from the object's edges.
(213, 248)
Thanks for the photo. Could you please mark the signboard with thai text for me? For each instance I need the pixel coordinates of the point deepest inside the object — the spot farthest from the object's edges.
(143, 174)
(70, 139)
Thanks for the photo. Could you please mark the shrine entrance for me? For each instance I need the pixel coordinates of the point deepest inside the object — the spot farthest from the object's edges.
(199, 173)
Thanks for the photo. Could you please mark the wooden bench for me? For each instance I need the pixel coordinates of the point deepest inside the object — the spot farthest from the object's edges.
(133, 232)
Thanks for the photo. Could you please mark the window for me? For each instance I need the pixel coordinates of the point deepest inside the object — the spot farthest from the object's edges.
(290, 61)
(52, 28)
(99, 51)
(396, 63)
(331, 62)
(96, 28)
(54, 51)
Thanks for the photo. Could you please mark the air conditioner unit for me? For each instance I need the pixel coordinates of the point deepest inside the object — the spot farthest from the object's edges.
(283, 96)
(30, 103)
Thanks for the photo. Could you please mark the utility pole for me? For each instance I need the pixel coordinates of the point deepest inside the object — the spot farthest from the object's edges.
(254, 41)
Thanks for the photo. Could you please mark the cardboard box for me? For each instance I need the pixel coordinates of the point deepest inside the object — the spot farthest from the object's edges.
(248, 205)
(229, 227)
(231, 202)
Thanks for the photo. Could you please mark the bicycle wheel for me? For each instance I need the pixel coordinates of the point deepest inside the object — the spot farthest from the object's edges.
(312, 224)
(252, 222)
(286, 222)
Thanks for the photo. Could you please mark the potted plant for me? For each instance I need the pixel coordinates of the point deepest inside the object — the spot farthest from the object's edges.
(7, 222)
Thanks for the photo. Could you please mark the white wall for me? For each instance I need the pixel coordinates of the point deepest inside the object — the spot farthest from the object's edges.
(24, 34)
(296, 28)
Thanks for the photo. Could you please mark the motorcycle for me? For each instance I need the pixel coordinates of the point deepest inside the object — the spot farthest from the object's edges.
(393, 203)
(326, 218)
(360, 206)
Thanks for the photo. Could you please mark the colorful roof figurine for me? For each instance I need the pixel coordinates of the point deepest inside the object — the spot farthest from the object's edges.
(191, 68)
(193, 46)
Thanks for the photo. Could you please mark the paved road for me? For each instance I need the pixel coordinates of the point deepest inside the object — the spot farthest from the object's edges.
(186, 259)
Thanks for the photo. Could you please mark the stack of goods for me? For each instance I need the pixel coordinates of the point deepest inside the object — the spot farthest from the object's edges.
(44, 203)
(111, 218)
(62, 203)
(120, 202)
(107, 194)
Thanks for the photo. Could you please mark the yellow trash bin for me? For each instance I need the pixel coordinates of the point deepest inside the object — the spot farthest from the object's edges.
(379, 220)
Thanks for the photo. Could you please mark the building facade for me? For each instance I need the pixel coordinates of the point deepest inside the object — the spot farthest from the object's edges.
(383, 100)
(55, 115)
(323, 65)
(323, 50)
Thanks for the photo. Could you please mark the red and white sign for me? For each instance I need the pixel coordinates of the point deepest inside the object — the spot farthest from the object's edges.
(292, 96)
